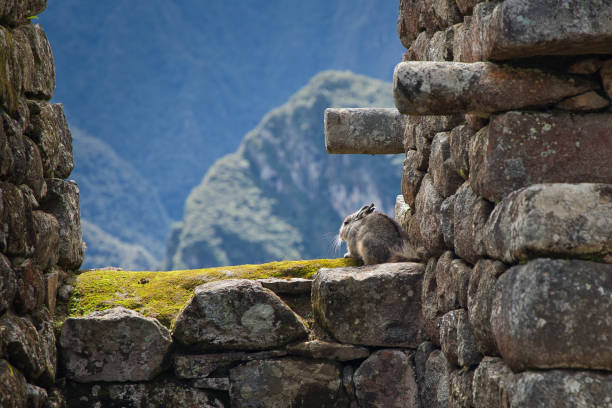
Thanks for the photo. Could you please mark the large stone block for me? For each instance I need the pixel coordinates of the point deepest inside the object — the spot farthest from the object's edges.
(376, 305)
(411, 177)
(457, 339)
(442, 88)
(17, 234)
(13, 387)
(435, 390)
(31, 292)
(113, 345)
(62, 201)
(446, 179)
(554, 314)
(46, 239)
(237, 314)
(459, 140)
(460, 384)
(556, 220)
(33, 56)
(522, 148)
(427, 203)
(287, 382)
(34, 169)
(470, 214)
(492, 379)
(386, 380)
(43, 128)
(15, 12)
(432, 315)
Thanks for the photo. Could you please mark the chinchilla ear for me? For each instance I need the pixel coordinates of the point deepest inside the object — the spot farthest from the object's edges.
(370, 208)
(365, 210)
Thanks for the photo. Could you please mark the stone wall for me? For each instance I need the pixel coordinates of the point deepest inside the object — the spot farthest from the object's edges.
(40, 234)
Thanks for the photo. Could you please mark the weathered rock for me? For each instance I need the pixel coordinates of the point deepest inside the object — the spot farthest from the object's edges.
(349, 385)
(462, 47)
(554, 313)
(37, 397)
(445, 179)
(427, 203)
(408, 22)
(13, 387)
(13, 163)
(237, 314)
(437, 88)
(466, 6)
(191, 366)
(445, 12)
(606, 77)
(411, 177)
(447, 221)
(460, 273)
(429, 299)
(386, 379)
(423, 147)
(457, 339)
(420, 360)
(113, 345)
(475, 123)
(34, 173)
(43, 128)
(376, 305)
(327, 350)
(459, 143)
(522, 148)
(441, 46)
(491, 381)
(470, 216)
(17, 235)
(364, 130)
(587, 101)
(26, 349)
(563, 389)
(8, 284)
(221, 384)
(35, 69)
(419, 50)
(15, 12)
(292, 286)
(287, 382)
(446, 290)
(524, 28)
(154, 394)
(481, 290)
(62, 201)
(46, 239)
(429, 126)
(551, 220)
(65, 161)
(51, 284)
(44, 324)
(585, 66)
(435, 390)
(460, 388)
(31, 291)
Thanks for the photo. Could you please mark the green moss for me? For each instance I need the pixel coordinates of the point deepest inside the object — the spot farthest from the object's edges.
(164, 294)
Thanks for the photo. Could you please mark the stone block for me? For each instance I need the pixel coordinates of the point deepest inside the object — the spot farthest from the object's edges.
(429, 299)
(462, 46)
(457, 339)
(466, 6)
(606, 77)
(287, 382)
(411, 177)
(459, 146)
(13, 387)
(31, 292)
(427, 205)
(408, 26)
(62, 201)
(376, 305)
(291, 286)
(34, 170)
(37, 397)
(216, 383)
(65, 162)
(364, 130)
(447, 221)
(43, 128)
(585, 66)
(419, 50)
(470, 214)
(113, 345)
(481, 291)
(46, 239)
(558, 220)
(435, 390)
(236, 314)
(445, 179)
(327, 350)
(460, 273)
(588, 101)
(441, 46)
(492, 379)
(446, 13)
(17, 236)
(13, 159)
(51, 284)
(442, 88)
(190, 366)
(8, 284)
(386, 380)
(460, 384)
(32, 60)
(16, 12)
(554, 314)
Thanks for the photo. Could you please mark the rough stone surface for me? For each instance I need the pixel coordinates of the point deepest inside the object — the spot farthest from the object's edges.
(587, 101)
(43, 128)
(236, 314)
(557, 220)
(287, 382)
(62, 201)
(563, 389)
(386, 380)
(470, 214)
(217, 383)
(411, 177)
(442, 88)
(441, 46)
(46, 239)
(34, 71)
(15, 12)
(65, 162)
(17, 235)
(447, 221)
(521, 148)
(319, 349)
(37, 397)
(8, 284)
(435, 389)
(460, 273)
(292, 286)
(13, 386)
(113, 345)
(606, 77)
(31, 293)
(376, 305)
(460, 384)
(492, 378)
(419, 49)
(34, 169)
(427, 203)
(457, 339)
(191, 366)
(156, 394)
(481, 290)
(554, 313)
(466, 6)
(364, 130)
(445, 12)
(445, 179)
(429, 299)
(51, 284)
(459, 141)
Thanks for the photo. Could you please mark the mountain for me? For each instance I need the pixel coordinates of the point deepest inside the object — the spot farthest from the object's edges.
(280, 195)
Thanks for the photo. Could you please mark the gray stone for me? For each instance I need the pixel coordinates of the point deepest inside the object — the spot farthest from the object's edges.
(435, 391)
(364, 130)
(457, 339)
(221, 384)
(327, 350)
(419, 49)
(45, 327)
(460, 384)
(447, 221)
(386, 380)
(113, 345)
(420, 361)
(439, 88)
(8, 284)
(460, 273)
(33, 62)
(34, 169)
(445, 12)
(588, 101)
(287, 382)
(46, 239)
(459, 141)
(237, 314)
(43, 128)
(556, 220)
(554, 314)
(481, 290)
(65, 162)
(37, 397)
(466, 6)
(291, 286)
(445, 179)
(441, 46)
(470, 216)
(31, 293)
(524, 148)
(192, 366)
(446, 290)
(429, 300)
(408, 26)
(562, 389)
(17, 236)
(376, 305)
(62, 201)
(15, 12)
(427, 203)
(492, 379)
(13, 387)
(462, 47)
(51, 284)
(411, 177)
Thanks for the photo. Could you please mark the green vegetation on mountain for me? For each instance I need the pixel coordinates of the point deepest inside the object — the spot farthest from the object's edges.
(281, 196)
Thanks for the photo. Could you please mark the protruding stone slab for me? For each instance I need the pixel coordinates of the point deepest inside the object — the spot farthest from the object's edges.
(191, 366)
(554, 314)
(378, 305)
(521, 148)
(237, 314)
(293, 286)
(557, 220)
(386, 380)
(328, 350)
(113, 345)
(364, 130)
(442, 88)
(287, 382)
